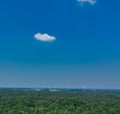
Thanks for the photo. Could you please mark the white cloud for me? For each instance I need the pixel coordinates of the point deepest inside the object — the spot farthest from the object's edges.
(44, 37)
(92, 2)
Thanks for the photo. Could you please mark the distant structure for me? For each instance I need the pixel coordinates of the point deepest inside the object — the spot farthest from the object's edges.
(53, 89)
(84, 88)
(37, 89)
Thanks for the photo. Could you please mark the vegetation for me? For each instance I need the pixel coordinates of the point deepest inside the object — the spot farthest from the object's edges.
(59, 102)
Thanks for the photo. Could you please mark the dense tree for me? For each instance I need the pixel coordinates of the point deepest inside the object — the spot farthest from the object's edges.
(59, 102)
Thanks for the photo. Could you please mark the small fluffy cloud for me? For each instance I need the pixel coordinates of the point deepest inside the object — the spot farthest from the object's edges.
(92, 2)
(44, 37)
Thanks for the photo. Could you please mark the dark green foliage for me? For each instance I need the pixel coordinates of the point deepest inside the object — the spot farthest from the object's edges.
(59, 102)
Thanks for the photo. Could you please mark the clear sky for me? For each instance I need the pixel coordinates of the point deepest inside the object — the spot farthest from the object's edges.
(62, 43)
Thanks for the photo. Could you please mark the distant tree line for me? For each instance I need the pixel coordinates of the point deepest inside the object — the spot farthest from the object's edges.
(59, 102)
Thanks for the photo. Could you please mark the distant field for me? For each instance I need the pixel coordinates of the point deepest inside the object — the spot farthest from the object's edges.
(31, 101)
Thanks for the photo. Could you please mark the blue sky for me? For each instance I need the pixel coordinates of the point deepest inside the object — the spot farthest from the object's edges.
(83, 49)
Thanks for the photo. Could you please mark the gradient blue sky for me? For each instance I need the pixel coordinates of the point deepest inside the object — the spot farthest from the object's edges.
(86, 52)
